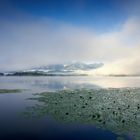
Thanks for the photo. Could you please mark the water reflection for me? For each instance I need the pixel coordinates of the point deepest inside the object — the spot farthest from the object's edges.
(98, 118)
(38, 84)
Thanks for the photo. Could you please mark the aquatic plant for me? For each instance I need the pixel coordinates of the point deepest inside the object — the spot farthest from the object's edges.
(2, 91)
(117, 110)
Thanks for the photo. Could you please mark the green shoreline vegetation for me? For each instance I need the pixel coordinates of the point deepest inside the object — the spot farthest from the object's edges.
(63, 74)
(40, 74)
(116, 110)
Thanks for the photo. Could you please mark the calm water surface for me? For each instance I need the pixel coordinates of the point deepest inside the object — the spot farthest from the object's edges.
(13, 124)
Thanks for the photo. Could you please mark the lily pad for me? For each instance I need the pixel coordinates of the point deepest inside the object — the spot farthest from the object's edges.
(117, 110)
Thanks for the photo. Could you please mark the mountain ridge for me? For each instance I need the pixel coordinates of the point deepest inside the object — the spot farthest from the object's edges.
(77, 68)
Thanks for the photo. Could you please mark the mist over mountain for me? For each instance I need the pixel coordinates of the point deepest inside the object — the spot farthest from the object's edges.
(77, 68)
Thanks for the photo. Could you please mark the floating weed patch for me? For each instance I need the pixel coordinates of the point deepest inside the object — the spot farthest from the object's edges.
(2, 91)
(117, 110)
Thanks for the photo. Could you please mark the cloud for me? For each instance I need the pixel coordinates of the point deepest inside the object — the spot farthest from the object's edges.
(38, 42)
(127, 40)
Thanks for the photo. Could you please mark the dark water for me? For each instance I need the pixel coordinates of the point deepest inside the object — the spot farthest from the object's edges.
(14, 125)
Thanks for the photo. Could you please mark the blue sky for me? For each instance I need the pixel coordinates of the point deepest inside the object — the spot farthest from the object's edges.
(40, 32)
(101, 15)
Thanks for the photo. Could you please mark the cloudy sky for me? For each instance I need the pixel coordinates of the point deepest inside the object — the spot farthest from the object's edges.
(40, 32)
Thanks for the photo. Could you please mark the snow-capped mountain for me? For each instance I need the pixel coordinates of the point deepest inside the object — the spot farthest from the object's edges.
(78, 68)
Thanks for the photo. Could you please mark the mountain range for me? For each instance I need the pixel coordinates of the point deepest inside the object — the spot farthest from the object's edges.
(77, 68)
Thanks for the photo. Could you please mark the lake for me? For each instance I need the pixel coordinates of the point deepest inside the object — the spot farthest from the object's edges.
(18, 119)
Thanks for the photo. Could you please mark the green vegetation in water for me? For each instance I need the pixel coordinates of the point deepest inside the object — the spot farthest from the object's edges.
(120, 138)
(117, 110)
(2, 91)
